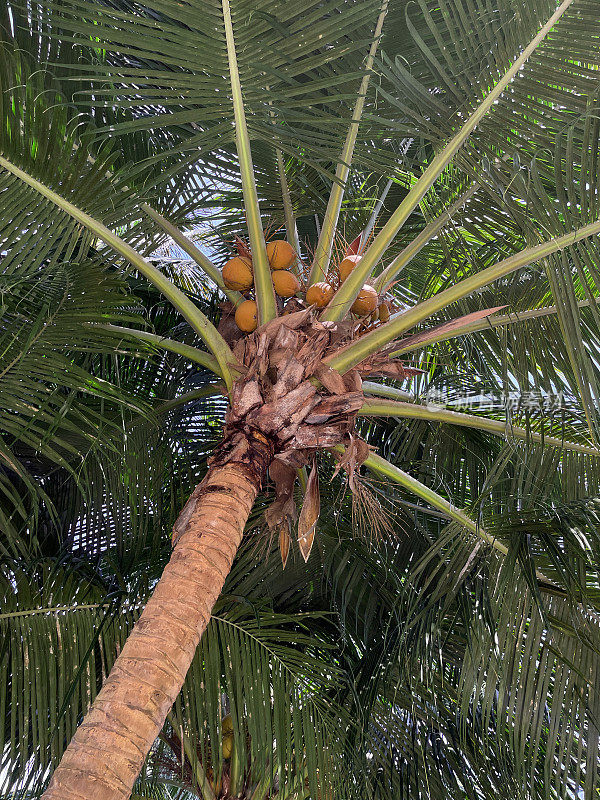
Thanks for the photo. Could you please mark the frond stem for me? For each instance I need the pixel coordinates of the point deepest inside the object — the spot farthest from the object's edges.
(383, 467)
(263, 285)
(198, 321)
(489, 323)
(164, 343)
(325, 242)
(354, 353)
(388, 408)
(194, 252)
(389, 274)
(288, 210)
(375, 213)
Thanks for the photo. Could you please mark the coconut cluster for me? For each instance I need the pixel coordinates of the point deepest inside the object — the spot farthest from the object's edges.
(238, 275)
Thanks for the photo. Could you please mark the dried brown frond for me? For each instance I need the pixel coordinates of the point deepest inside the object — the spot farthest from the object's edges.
(272, 229)
(370, 518)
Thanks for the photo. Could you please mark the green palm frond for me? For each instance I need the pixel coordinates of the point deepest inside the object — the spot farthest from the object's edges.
(40, 136)
(286, 727)
(310, 61)
(56, 413)
(80, 181)
(501, 680)
(60, 633)
(46, 609)
(531, 156)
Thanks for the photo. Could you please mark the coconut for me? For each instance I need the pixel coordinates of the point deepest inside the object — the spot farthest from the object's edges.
(366, 301)
(280, 253)
(384, 311)
(319, 294)
(347, 266)
(237, 274)
(285, 283)
(227, 724)
(246, 316)
(227, 746)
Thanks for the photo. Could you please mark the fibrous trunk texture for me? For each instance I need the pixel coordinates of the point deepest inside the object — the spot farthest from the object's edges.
(108, 750)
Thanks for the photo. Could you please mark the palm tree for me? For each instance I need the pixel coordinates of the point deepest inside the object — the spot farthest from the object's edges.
(295, 386)
(72, 589)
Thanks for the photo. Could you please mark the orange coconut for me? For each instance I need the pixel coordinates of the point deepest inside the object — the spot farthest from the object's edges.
(347, 266)
(237, 274)
(366, 301)
(280, 253)
(246, 316)
(319, 294)
(285, 283)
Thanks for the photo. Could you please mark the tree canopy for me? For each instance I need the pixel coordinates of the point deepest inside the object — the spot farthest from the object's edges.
(442, 639)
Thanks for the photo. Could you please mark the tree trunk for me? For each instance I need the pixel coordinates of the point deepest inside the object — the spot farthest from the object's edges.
(108, 750)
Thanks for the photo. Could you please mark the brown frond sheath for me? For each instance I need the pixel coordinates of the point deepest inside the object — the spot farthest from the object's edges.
(354, 247)
(353, 457)
(282, 513)
(309, 516)
(277, 395)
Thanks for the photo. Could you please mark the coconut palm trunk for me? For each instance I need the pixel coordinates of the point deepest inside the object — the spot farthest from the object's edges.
(108, 750)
